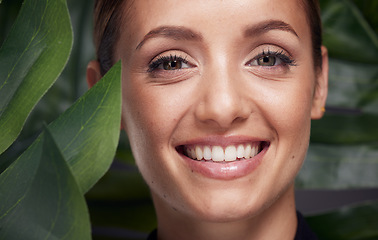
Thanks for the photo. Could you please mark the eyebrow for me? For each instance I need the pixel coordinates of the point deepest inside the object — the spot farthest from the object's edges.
(269, 25)
(184, 33)
(174, 32)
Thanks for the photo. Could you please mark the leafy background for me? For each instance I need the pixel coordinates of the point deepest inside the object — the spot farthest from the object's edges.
(343, 153)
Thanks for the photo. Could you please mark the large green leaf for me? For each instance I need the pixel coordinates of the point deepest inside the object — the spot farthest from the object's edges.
(348, 223)
(346, 32)
(87, 135)
(32, 57)
(346, 129)
(40, 198)
(340, 166)
(343, 150)
(70, 85)
(353, 85)
(88, 131)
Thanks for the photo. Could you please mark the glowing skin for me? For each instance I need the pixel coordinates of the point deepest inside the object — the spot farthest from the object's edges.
(197, 74)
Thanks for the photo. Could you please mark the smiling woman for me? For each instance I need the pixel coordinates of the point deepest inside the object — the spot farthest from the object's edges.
(218, 98)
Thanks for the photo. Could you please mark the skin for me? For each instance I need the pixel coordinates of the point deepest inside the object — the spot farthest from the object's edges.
(219, 97)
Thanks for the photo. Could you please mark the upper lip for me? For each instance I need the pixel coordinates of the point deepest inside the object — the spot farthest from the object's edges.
(222, 141)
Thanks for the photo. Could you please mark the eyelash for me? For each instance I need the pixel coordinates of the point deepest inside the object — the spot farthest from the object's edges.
(286, 60)
(163, 59)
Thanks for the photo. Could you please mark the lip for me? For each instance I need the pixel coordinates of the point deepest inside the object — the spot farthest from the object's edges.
(224, 170)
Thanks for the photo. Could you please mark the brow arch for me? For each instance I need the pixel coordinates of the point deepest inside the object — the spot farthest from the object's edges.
(173, 32)
(268, 25)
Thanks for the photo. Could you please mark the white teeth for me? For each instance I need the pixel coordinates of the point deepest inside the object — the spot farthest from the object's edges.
(230, 153)
(240, 151)
(199, 154)
(219, 154)
(254, 151)
(248, 151)
(207, 153)
(193, 153)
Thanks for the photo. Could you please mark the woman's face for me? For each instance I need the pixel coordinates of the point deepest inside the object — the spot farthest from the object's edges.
(217, 101)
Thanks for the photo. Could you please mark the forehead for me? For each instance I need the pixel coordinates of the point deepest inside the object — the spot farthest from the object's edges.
(212, 16)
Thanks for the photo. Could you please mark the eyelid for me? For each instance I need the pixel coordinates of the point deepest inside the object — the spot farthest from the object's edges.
(279, 53)
(170, 56)
(159, 75)
(157, 62)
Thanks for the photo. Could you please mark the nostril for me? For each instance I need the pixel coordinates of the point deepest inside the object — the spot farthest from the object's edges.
(221, 116)
(223, 100)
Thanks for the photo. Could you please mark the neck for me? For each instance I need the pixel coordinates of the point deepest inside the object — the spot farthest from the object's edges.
(279, 221)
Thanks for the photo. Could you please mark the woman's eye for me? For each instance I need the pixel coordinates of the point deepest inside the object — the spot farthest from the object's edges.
(266, 61)
(270, 59)
(174, 65)
(169, 63)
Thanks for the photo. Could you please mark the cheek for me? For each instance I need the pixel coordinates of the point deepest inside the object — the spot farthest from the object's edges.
(142, 121)
(289, 107)
(150, 117)
(292, 116)
(139, 119)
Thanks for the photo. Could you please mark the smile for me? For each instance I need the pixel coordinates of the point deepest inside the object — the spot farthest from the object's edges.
(225, 154)
(226, 160)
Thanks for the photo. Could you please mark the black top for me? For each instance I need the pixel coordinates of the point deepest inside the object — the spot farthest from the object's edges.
(303, 231)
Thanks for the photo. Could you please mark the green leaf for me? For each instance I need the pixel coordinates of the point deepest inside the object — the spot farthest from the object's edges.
(40, 198)
(346, 32)
(357, 222)
(339, 167)
(343, 151)
(88, 131)
(31, 59)
(353, 86)
(345, 129)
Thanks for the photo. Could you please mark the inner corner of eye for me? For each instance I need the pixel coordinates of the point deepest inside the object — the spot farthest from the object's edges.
(252, 62)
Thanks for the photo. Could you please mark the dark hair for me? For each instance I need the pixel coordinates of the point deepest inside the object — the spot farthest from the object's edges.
(312, 9)
(108, 19)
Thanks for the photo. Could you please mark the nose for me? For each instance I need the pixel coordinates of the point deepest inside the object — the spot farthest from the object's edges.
(222, 100)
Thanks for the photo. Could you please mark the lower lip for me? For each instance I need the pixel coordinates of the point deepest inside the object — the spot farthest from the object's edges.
(225, 170)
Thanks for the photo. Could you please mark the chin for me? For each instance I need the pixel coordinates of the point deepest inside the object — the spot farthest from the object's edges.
(231, 213)
(231, 204)
(226, 205)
